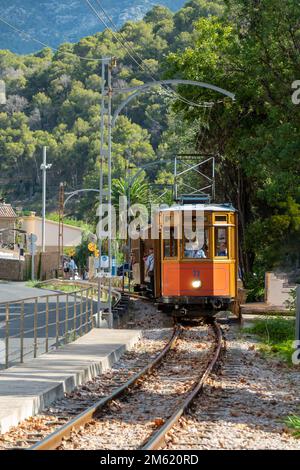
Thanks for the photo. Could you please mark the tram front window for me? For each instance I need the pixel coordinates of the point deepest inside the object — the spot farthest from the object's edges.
(196, 248)
(221, 242)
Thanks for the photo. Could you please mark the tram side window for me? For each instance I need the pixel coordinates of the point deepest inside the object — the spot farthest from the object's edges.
(221, 241)
(170, 244)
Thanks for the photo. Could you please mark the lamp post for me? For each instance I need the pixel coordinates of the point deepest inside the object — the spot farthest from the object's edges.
(44, 168)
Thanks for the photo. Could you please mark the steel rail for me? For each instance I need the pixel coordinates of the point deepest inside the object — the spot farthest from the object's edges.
(158, 438)
(53, 441)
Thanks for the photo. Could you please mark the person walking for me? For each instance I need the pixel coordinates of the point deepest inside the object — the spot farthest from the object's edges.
(72, 268)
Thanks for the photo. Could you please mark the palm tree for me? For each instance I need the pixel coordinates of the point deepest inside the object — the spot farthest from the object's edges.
(138, 191)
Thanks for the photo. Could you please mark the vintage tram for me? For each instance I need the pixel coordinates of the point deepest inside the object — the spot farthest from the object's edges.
(191, 277)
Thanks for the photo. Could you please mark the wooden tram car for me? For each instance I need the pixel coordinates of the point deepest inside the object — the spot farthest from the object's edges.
(189, 279)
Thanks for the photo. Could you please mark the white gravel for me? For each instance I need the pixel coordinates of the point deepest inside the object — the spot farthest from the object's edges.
(244, 405)
(128, 422)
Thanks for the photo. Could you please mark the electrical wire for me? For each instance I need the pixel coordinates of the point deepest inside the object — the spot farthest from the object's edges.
(21, 32)
(144, 66)
(131, 51)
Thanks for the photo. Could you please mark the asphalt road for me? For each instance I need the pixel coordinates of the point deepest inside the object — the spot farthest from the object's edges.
(10, 291)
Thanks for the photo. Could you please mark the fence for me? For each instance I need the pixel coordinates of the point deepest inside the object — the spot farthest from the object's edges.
(33, 326)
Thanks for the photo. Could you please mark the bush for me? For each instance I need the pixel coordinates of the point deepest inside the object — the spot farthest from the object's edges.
(255, 284)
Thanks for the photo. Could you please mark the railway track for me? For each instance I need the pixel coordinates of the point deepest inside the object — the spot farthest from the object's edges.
(169, 377)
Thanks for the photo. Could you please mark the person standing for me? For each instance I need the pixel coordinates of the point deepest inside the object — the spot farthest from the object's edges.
(66, 268)
(150, 269)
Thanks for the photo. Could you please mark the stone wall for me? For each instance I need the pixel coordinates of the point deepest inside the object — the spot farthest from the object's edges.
(46, 265)
(12, 269)
(7, 237)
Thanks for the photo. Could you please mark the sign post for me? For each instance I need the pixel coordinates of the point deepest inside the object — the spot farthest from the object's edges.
(32, 250)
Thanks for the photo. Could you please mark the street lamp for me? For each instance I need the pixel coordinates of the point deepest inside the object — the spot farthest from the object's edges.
(44, 168)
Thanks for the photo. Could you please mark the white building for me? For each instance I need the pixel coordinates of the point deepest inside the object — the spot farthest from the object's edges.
(33, 224)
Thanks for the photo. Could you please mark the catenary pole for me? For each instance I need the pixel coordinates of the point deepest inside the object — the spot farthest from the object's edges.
(99, 314)
(110, 93)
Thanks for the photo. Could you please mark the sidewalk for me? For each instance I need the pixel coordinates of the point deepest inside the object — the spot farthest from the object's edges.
(27, 389)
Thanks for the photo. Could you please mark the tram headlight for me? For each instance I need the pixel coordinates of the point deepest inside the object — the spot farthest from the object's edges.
(196, 283)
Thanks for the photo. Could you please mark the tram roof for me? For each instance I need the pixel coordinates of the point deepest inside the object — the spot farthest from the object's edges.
(200, 207)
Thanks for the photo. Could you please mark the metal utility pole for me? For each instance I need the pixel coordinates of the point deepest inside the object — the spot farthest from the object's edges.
(109, 110)
(61, 205)
(106, 92)
(128, 220)
(44, 168)
(32, 249)
(102, 156)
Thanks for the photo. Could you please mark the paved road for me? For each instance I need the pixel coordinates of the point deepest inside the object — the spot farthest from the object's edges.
(10, 291)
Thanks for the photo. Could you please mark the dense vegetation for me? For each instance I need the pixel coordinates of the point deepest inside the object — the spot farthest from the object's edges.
(253, 50)
(249, 47)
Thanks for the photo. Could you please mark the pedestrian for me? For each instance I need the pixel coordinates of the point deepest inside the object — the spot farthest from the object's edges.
(150, 269)
(66, 268)
(72, 268)
(85, 276)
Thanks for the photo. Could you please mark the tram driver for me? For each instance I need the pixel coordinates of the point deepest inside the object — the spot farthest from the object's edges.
(193, 250)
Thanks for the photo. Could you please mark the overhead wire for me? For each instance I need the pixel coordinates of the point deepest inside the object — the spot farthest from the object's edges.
(205, 105)
(22, 32)
(125, 44)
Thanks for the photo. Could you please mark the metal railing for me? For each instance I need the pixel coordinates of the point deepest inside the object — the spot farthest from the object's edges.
(35, 325)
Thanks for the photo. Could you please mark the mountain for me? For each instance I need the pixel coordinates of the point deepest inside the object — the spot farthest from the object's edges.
(54, 22)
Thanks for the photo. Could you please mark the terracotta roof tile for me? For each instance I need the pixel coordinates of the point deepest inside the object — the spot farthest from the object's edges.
(7, 211)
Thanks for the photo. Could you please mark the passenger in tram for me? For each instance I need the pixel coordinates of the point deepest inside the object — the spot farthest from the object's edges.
(192, 250)
(222, 250)
(201, 254)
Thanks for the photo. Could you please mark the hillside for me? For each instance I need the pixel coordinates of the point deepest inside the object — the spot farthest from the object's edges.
(55, 22)
(54, 99)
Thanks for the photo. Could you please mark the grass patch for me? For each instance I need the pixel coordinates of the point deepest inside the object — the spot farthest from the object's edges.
(56, 287)
(61, 287)
(293, 423)
(277, 335)
(32, 284)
